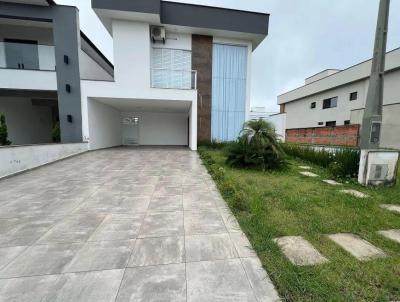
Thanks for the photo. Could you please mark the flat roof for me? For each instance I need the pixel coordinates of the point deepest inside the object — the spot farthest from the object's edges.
(253, 25)
(346, 76)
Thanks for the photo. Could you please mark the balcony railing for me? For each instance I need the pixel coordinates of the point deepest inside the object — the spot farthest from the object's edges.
(27, 56)
(173, 79)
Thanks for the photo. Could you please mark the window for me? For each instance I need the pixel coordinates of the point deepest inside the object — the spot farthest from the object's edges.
(330, 124)
(320, 123)
(347, 122)
(313, 105)
(353, 96)
(330, 103)
(171, 68)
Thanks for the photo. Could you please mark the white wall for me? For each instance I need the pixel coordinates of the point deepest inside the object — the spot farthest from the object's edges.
(279, 121)
(90, 70)
(132, 50)
(28, 79)
(26, 124)
(163, 128)
(300, 115)
(18, 159)
(104, 125)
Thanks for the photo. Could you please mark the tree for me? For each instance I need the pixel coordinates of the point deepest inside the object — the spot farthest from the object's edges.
(3, 131)
(257, 146)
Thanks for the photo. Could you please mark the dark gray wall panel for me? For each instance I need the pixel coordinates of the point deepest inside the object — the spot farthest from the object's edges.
(67, 42)
(141, 6)
(213, 17)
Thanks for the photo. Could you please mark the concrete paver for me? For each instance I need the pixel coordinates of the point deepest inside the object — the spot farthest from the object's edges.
(124, 224)
(354, 193)
(391, 234)
(299, 251)
(356, 246)
(391, 207)
(309, 174)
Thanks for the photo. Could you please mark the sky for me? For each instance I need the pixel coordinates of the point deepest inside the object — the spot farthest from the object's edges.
(305, 37)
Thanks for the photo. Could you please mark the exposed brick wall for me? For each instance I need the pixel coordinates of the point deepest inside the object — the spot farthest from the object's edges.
(202, 47)
(331, 136)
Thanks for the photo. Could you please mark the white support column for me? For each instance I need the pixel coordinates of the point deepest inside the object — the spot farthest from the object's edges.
(193, 126)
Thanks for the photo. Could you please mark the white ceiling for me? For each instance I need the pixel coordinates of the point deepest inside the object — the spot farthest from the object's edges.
(34, 2)
(134, 105)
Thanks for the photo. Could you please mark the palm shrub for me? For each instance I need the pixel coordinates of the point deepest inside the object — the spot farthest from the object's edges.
(56, 133)
(256, 147)
(3, 131)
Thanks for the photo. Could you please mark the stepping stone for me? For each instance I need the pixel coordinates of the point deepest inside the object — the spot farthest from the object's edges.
(354, 193)
(305, 167)
(309, 174)
(332, 182)
(356, 246)
(391, 234)
(299, 251)
(391, 207)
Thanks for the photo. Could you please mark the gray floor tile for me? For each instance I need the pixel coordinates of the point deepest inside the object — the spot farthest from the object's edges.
(118, 227)
(166, 203)
(209, 247)
(204, 222)
(101, 255)
(242, 245)
(162, 224)
(28, 289)
(259, 280)
(156, 251)
(84, 287)
(223, 280)
(23, 231)
(75, 228)
(41, 260)
(7, 254)
(154, 283)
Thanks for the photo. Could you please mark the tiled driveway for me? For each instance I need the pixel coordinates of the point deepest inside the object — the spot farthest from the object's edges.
(123, 225)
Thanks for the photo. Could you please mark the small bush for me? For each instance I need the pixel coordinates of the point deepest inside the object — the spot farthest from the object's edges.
(56, 133)
(257, 147)
(213, 144)
(239, 201)
(341, 162)
(3, 131)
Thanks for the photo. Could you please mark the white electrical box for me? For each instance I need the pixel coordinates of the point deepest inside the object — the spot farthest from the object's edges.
(378, 167)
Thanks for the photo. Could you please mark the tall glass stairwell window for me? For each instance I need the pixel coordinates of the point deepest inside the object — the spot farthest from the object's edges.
(229, 85)
(172, 68)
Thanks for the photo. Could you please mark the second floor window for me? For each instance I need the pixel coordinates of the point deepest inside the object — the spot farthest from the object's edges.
(353, 96)
(313, 105)
(171, 68)
(330, 103)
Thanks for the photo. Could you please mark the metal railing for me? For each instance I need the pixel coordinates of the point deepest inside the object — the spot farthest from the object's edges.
(27, 56)
(173, 79)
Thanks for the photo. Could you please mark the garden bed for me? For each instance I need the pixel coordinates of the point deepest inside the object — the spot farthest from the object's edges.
(282, 203)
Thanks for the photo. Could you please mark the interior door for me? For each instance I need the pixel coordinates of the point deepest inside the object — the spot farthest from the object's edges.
(130, 130)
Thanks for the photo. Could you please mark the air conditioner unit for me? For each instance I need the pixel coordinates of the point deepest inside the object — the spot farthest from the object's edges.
(158, 34)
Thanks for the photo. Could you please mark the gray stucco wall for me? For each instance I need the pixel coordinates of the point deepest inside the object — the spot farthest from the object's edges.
(67, 42)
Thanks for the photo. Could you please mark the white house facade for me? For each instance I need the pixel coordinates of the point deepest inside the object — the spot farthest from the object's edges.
(182, 74)
(337, 98)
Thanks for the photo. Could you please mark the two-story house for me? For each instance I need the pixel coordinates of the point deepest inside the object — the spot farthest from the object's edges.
(182, 74)
(43, 57)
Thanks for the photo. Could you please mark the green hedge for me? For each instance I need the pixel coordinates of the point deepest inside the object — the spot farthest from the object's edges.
(342, 162)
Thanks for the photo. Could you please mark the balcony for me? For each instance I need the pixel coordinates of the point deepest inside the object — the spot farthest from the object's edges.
(27, 66)
(173, 79)
(27, 56)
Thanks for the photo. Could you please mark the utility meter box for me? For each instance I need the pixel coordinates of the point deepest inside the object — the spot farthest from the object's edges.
(378, 167)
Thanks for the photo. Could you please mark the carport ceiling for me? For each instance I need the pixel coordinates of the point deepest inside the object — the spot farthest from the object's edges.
(133, 105)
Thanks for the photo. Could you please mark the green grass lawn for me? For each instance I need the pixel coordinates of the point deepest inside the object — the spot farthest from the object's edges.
(286, 203)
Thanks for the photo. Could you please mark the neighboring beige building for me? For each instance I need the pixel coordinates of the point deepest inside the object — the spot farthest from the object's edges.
(337, 97)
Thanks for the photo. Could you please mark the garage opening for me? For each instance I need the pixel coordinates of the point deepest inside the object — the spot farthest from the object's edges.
(116, 122)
